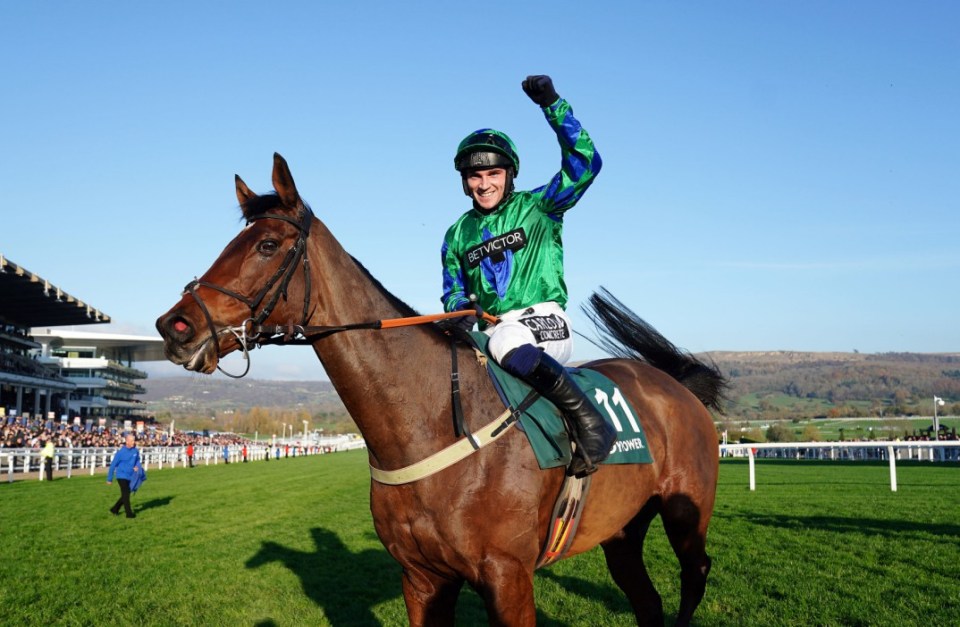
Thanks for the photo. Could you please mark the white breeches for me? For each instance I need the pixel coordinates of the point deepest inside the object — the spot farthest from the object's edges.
(545, 325)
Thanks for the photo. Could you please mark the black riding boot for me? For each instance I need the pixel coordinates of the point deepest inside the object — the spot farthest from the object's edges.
(594, 434)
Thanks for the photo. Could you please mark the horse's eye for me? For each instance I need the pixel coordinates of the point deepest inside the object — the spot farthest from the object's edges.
(268, 247)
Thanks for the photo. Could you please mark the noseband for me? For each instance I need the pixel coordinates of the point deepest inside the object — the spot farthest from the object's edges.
(277, 285)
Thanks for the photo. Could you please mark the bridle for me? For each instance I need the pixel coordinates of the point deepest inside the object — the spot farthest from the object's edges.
(274, 288)
(252, 333)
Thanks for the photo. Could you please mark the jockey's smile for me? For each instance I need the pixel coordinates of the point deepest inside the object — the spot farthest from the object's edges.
(487, 187)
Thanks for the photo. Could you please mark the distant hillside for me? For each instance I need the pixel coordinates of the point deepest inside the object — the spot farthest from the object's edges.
(788, 384)
(206, 395)
(764, 385)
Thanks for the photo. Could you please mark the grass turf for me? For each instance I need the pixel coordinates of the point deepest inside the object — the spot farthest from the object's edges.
(292, 542)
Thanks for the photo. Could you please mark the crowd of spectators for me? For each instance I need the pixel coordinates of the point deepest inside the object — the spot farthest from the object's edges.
(927, 436)
(15, 434)
(36, 436)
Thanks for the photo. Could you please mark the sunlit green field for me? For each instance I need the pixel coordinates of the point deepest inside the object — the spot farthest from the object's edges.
(848, 429)
(292, 543)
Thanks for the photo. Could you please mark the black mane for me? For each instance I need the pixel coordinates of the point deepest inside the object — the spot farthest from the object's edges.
(405, 309)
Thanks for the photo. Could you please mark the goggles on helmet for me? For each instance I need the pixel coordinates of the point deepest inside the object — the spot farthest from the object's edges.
(486, 148)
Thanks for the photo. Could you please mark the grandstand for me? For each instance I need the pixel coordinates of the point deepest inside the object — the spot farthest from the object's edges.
(48, 373)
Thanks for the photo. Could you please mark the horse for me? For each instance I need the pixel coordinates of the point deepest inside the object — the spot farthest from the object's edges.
(482, 520)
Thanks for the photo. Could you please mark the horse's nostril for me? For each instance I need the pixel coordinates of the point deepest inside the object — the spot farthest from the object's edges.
(177, 325)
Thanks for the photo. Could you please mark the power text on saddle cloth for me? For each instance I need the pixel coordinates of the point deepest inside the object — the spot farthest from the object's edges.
(544, 427)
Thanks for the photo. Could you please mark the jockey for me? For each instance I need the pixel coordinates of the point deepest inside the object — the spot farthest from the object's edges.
(507, 252)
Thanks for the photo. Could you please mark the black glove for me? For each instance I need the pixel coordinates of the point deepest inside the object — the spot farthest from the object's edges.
(463, 324)
(540, 89)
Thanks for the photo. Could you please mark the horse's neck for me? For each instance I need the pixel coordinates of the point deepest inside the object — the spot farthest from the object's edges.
(384, 377)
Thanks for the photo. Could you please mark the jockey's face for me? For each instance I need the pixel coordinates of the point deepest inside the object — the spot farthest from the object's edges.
(487, 187)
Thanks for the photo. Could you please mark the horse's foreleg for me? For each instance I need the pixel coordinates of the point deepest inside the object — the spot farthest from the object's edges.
(506, 587)
(430, 599)
(686, 527)
(624, 555)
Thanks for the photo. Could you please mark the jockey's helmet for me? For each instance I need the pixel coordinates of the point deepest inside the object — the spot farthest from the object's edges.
(486, 148)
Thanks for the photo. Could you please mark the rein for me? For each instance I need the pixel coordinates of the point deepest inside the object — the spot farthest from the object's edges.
(259, 334)
(299, 334)
(252, 333)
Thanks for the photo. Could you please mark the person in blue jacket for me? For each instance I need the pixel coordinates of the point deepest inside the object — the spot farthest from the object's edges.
(125, 465)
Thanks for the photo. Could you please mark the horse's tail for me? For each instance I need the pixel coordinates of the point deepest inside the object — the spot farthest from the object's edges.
(626, 335)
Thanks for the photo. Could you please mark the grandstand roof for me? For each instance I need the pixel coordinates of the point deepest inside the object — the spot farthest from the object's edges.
(29, 300)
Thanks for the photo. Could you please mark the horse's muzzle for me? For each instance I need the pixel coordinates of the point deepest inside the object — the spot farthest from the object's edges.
(183, 345)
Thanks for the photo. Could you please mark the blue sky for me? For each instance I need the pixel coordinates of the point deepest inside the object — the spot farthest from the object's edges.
(777, 176)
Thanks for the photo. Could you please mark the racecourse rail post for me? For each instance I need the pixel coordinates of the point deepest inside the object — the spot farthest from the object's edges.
(873, 450)
(893, 467)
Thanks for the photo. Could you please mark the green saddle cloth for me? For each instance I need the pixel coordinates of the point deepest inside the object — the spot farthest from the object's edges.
(545, 429)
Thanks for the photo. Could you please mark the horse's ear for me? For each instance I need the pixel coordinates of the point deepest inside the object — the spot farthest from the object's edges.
(243, 192)
(283, 182)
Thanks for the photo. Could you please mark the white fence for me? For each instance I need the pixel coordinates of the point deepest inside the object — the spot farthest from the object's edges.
(89, 460)
(940, 451)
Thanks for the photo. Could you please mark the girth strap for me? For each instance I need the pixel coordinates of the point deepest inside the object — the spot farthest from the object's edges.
(457, 451)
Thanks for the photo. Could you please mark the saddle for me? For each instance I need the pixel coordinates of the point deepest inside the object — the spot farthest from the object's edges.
(546, 431)
(545, 428)
(547, 434)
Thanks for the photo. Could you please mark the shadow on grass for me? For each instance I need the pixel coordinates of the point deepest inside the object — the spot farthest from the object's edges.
(162, 502)
(611, 596)
(345, 584)
(348, 584)
(870, 526)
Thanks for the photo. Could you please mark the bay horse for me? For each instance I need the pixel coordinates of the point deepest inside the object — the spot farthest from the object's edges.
(484, 519)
